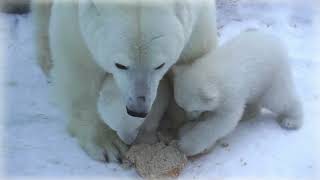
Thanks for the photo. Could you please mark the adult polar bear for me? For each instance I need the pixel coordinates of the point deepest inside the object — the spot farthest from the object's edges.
(135, 41)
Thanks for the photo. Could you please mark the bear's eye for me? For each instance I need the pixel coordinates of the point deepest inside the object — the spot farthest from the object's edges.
(159, 67)
(120, 66)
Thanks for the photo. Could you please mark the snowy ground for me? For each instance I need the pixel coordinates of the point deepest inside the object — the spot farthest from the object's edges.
(35, 143)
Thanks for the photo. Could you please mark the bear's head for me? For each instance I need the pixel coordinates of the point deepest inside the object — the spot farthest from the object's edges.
(136, 43)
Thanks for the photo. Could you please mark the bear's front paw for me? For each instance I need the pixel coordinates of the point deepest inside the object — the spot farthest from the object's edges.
(106, 147)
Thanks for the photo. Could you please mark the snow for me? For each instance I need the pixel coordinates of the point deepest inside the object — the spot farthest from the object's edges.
(35, 143)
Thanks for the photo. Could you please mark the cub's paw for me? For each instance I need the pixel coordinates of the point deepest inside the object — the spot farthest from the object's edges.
(191, 141)
(186, 128)
(106, 147)
(290, 123)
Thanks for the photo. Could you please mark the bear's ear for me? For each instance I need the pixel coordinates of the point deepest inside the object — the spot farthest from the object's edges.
(90, 8)
(94, 7)
(181, 12)
(178, 69)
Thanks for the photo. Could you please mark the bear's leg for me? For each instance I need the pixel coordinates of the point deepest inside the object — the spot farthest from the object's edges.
(291, 118)
(209, 128)
(289, 112)
(251, 111)
(76, 82)
(76, 86)
(40, 16)
(282, 100)
(94, 136)
(148, 131)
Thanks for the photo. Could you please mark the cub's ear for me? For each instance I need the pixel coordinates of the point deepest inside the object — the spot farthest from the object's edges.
(178, 69)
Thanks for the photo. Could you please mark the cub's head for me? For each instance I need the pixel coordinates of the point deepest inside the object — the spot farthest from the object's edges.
(192, 89)
(137, 43)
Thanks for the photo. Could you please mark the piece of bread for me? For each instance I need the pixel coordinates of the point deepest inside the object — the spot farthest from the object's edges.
(156, 161)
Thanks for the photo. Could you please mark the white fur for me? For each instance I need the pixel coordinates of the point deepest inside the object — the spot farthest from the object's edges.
(87, 38)
(250, 71)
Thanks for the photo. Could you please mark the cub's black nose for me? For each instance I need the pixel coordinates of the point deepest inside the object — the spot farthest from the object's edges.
(136, 114)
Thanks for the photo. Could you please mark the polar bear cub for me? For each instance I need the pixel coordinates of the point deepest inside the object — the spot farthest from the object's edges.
(112, 111)
(247, 73)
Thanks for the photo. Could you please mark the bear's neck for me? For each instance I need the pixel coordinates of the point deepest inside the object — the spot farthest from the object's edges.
(203, 36)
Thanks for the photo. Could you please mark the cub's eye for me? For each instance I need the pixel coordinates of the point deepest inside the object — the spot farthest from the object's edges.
(159, 67)
(120, 66)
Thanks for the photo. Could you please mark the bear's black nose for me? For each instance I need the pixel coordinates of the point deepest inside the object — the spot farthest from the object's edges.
(136, 114)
